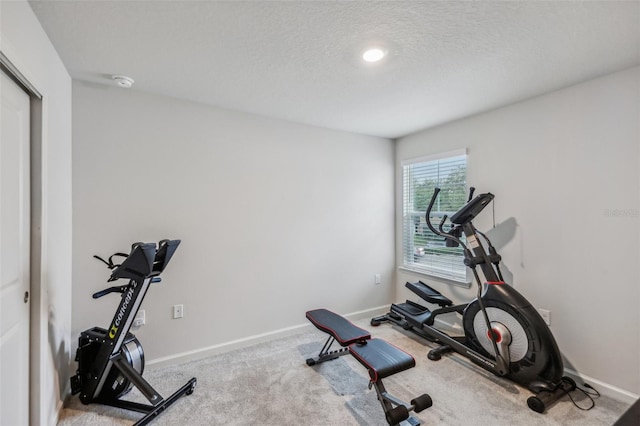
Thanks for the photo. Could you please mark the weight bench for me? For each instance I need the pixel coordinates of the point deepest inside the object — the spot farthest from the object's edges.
(379, 357)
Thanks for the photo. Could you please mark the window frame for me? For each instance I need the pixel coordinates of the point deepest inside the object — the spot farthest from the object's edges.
(452, 272)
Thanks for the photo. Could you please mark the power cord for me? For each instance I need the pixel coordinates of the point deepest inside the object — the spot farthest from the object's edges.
(589, 394)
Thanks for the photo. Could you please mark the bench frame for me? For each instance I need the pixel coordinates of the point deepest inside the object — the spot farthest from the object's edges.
(396, 411)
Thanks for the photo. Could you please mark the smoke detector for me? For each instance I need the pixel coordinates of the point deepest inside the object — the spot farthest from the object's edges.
(123, 81)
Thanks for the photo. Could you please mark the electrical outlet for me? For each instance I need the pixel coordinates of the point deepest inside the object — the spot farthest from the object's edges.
(140, 319)
(178, 311)
(377, 278)
(546, 315)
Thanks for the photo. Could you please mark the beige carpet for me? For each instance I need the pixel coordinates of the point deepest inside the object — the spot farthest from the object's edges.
(270, 384)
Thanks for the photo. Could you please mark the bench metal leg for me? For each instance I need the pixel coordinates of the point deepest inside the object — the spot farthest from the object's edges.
(396, 411)
(327, 355)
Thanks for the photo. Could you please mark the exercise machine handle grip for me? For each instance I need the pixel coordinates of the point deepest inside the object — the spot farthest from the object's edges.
(440, 227)
(116, 289)
(436, 191)
(441, 232)
(119, 289)
(471, 191)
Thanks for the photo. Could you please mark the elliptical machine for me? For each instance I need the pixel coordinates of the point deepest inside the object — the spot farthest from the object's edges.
(503, 332)
(111, 361)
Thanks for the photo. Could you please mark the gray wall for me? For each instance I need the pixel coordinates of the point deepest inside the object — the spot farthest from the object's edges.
(275, 218)
(25, 43)
(565, 171)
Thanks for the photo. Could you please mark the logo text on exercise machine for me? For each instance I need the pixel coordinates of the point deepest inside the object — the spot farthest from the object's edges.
(121, 311)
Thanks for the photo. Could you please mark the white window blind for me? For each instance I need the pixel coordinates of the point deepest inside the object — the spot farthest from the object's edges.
(425, 252)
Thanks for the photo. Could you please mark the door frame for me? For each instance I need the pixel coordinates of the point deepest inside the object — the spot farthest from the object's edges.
(36, 195)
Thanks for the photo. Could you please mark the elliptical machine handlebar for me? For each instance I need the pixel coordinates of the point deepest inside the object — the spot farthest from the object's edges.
(441, 232)
(471, 191)
(436, 191)
(440, 227)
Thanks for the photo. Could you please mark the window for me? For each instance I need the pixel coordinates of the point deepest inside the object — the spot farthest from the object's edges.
(423, 251)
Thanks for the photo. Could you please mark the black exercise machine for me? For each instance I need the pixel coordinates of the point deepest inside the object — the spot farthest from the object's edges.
(111, 361)
(380, 358)
(503, 332)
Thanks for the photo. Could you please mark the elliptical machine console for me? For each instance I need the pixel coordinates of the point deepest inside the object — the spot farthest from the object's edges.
(503, 332)
(111, 360)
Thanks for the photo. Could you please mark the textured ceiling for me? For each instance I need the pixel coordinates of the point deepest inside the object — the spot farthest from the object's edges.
(300, 60)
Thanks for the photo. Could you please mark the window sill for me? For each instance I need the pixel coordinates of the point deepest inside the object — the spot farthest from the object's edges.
(424, 274)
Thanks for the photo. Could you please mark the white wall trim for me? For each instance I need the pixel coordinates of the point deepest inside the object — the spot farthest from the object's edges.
(605, 389)
(251, 340)
(439, 156)
(15, 73)
(57, 413)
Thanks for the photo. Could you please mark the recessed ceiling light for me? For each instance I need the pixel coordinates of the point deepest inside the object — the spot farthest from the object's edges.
(374, 54)
(123, 81)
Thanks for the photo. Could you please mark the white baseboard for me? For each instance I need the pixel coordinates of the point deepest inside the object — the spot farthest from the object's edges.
(368, 313)
(251, 340)
(605, 389)
(56, 414)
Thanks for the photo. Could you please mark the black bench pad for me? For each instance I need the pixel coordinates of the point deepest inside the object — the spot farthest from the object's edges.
(339, 327)
(381, 358)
